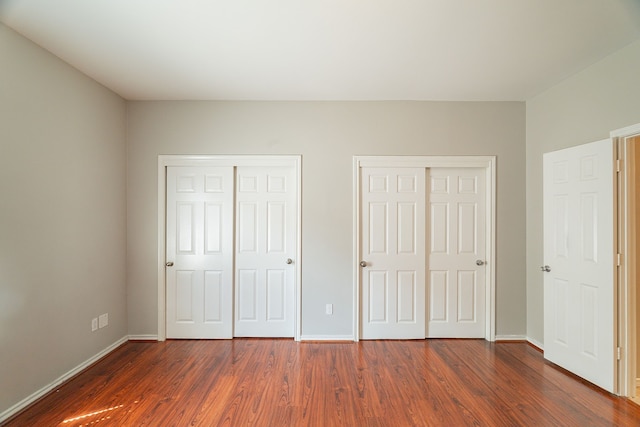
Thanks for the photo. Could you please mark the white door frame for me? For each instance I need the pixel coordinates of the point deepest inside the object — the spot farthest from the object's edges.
(165, 161)
(486, 162)
(628, 271)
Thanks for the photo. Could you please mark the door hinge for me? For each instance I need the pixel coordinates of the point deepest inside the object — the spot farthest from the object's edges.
(619, 260)
(618, 165)
(619, 353)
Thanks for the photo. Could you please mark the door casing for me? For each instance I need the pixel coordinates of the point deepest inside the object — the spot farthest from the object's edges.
(165, 161)
(488, 163)
(626, 307)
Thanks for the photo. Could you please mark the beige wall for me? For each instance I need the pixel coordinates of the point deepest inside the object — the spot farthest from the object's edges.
(327, 135)
(62, 218)
(582, 109)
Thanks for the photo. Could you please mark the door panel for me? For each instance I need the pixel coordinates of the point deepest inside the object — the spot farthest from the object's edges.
(247, 295)
(393, 230)
(213, 287)
(266, 226)
(579, 248)
(406, 296)
(276, 295)
(456, 290)
(199, 284)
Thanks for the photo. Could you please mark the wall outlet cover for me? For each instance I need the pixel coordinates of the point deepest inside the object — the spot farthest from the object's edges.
(94, 324)
(329, 309)
(103, 320)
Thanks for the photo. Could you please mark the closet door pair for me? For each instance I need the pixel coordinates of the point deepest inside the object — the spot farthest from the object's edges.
(230, 246)
(422, 252)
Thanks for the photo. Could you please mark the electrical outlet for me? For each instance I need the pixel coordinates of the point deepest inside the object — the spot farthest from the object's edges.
(103, 320)
(94, 324)
(329, 309)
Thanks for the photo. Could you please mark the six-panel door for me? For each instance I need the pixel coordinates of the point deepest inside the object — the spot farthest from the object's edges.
(456, 261)
(199, 291)
(578, 250)
(265, 241)
(393, 250)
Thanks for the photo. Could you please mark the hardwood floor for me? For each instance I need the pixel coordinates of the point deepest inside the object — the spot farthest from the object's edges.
(264, 382)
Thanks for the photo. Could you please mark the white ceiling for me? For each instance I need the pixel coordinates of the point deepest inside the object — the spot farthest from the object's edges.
(455, 50)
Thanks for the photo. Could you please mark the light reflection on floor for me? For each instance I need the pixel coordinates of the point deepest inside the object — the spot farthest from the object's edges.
(95, 417)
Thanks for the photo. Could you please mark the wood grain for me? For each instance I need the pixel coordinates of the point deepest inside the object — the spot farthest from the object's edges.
(265, 382)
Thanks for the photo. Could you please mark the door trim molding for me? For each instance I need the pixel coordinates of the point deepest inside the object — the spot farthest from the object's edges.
(485, 162)
(165, 161)
(626, 310)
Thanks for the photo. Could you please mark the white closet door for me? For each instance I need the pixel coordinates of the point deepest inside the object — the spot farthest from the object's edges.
(265, 251)
(456, 291)
(393, 251)
(199, 252)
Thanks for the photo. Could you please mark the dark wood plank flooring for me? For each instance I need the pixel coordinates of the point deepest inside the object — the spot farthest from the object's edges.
(264, 382)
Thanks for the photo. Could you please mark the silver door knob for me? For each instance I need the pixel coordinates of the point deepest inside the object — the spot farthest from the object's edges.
(545, 268)
(363, 263)
(289, 261)
(169, 264)
(479, 262)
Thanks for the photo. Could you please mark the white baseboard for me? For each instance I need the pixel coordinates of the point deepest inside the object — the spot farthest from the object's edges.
(536, 343)
(51, 386)
(511, 338)
(326, 338)
(148, 337)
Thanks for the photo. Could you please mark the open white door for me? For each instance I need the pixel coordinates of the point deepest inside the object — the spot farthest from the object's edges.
(579, 261)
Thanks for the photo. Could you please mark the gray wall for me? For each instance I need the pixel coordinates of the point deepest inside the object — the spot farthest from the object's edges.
(62, 217)
(582, 109)
(327, 135)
